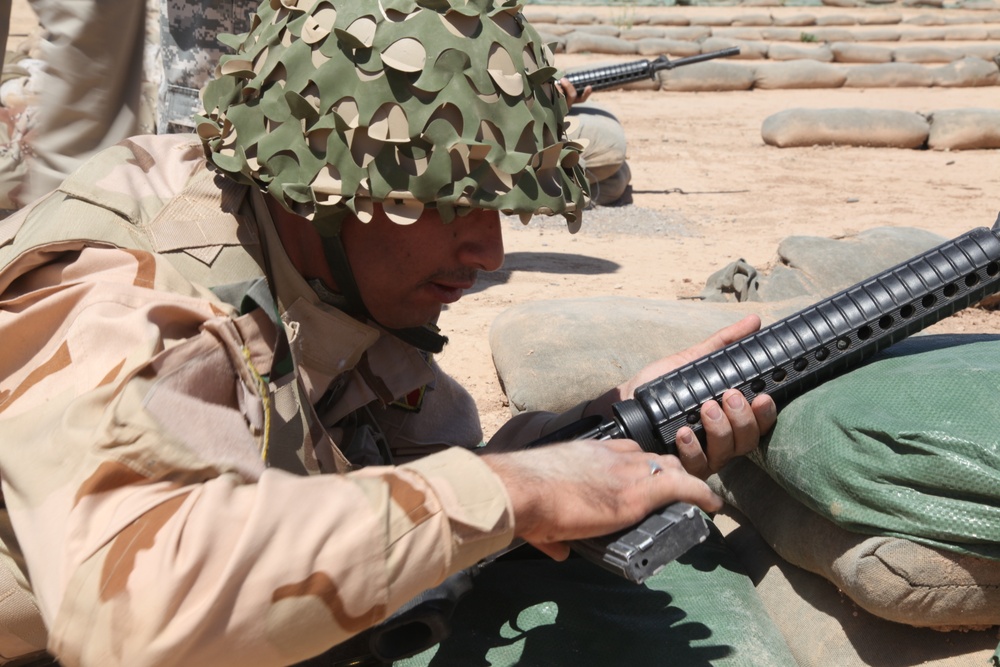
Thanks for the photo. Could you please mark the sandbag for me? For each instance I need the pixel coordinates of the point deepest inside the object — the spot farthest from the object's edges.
(799, 74)
(701, 609)
(885, 128)
(822, 626)
(892, 578)
(711, 75)
(889, 75)
(964, 129)
(967, 73)
(907, 446)
(539, 371)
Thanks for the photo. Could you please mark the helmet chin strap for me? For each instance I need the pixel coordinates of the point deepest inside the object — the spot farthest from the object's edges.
(425, 337)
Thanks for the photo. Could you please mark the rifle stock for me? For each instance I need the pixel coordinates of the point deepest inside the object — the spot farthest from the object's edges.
(612, 76)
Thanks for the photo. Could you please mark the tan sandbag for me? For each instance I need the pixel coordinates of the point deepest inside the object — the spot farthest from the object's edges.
(964, 129)
(832, 34)
(635, 33)
(927, 54)
(849, 52)
(889, 75)
(878, 35)
(881, 18)
(602, 29)
(798, 74)
(967, 73)
(669, 19)
(577, 18)
(824, 628)
(691, 33)
(539, 371)
(890, 577)
(884, 128)
(558, 29)
(820, 53)
(749, 50)
(782, 34)
(537, 15)
(746, 33)
(712, 75)
(711, 19)
(655, 47)
(795, 20)
(752, 20)
(583, 42)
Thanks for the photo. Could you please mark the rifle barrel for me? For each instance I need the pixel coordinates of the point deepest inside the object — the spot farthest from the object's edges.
(612, 76)
(701, 57)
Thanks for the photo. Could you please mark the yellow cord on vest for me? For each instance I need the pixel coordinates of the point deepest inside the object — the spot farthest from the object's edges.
(265, 398)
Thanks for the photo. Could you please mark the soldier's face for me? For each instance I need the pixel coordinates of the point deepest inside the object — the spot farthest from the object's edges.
(407, 273)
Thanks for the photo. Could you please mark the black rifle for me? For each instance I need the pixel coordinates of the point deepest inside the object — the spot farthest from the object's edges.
(612, 76)
(784, 360)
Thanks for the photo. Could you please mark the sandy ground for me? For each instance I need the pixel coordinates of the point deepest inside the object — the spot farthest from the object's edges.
(706, 191)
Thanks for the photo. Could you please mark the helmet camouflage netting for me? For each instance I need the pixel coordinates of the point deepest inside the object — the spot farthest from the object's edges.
(333, 106)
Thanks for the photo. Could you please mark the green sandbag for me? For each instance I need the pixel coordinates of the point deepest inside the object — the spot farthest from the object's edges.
(533, 612)
(907, 445)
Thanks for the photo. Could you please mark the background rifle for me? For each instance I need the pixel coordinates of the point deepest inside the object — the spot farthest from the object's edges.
(612, 76)
(784, 360)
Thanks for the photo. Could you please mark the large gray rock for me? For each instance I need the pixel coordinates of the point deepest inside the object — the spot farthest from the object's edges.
(816, 267)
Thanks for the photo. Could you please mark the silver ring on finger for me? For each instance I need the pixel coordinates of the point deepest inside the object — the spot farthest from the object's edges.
(654, 468)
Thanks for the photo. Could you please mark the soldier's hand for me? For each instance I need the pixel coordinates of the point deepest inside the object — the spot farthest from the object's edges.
(732, 426)
(572, 94)
(588, 488)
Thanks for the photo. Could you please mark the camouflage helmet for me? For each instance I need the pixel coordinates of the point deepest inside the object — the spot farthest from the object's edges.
(333, 105)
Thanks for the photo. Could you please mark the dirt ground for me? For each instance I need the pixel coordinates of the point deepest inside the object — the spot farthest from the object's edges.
(706, 191)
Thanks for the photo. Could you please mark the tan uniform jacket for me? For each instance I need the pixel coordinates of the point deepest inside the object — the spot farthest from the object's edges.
(158, 435)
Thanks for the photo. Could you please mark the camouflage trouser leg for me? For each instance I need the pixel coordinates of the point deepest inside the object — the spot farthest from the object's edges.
(190, 49)
(89, 94)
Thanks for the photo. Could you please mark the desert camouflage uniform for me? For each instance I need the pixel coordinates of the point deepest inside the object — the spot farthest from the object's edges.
(162, 427)
(190, 49)
(91, 87)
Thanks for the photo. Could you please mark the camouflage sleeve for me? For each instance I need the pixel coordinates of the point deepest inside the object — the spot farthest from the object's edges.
(131, 471)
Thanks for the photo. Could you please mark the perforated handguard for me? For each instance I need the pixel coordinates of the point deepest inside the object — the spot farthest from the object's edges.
(784, 360)
(803, 350)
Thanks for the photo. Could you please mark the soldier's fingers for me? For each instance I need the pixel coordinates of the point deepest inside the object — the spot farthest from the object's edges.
(674, 484)
(691, 454)
(742, 421)
(554, 550)
(718, 435)
(765, 411)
